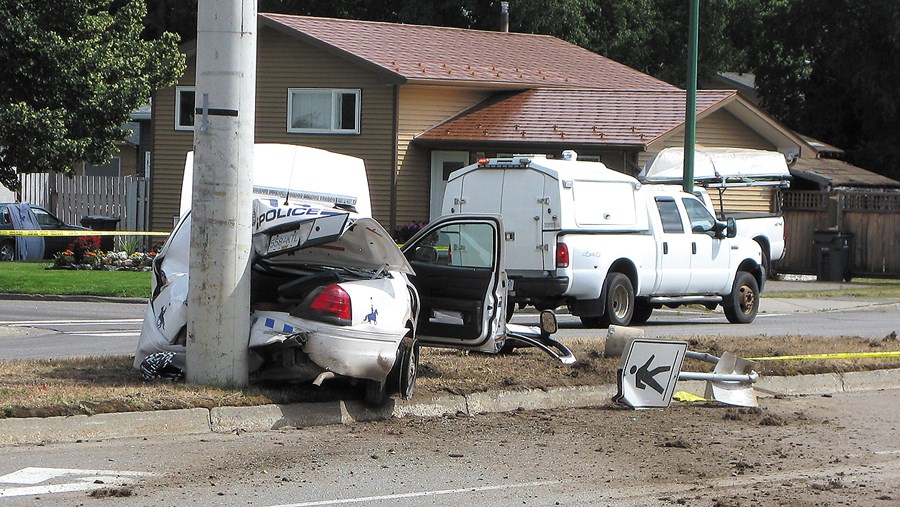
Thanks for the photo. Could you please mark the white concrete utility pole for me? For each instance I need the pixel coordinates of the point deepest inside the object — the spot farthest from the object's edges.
(219, 289)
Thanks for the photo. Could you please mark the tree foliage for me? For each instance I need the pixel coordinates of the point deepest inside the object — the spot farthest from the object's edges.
(73, 71)
(831, 69)
(827, 68)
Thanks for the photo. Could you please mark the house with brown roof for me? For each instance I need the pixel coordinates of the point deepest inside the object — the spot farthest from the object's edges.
(417, 102)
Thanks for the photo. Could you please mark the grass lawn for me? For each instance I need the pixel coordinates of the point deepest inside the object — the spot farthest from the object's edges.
(34, 278)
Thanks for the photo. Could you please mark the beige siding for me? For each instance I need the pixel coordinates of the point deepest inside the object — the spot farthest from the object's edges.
(744, 199)
(722, 129)
(420, 109)
(284, 62)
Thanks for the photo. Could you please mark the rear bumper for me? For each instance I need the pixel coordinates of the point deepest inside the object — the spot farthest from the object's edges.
(525, 288)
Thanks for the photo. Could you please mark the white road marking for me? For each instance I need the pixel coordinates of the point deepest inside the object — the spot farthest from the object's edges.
(106, 334)
(887, 452)
(418, 494)
(27, 323)
(85, 480)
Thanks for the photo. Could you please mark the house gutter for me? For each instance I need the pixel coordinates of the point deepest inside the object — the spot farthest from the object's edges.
(395, 134)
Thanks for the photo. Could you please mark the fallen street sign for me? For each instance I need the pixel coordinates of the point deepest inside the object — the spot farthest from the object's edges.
(648, 372)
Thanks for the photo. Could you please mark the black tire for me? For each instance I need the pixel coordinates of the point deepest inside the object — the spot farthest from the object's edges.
(7, 250)
(742, 304)
(409, 371)
(619, 299)
(642, 311)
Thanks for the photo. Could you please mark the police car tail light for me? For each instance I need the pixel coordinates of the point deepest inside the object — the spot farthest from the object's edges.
(330, 303)
(562, 255)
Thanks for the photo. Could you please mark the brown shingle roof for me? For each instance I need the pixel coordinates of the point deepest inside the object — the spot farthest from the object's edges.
(416, 53)
(829, 172)
(573, 116)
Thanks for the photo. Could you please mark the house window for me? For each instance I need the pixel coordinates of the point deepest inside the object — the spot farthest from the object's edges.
(323, 111)
(111, 168)
(184, 108)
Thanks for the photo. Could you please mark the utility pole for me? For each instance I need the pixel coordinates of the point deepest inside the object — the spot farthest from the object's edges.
(690, 108)
(219, 286)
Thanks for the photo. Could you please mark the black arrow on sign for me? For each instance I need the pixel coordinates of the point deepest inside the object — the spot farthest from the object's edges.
(643, 376)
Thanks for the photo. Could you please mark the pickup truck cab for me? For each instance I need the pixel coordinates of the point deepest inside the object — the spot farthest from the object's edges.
(605, 245)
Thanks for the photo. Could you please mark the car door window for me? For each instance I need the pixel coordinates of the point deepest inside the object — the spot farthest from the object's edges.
(701, 219)
(458, 245)
(669, 215)
(45, 219)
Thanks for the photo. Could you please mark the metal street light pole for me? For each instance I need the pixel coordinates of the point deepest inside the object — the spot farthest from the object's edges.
(690, 109)
(219, 286)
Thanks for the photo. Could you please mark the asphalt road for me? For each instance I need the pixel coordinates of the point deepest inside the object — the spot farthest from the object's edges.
(794, 451)
(43, 329)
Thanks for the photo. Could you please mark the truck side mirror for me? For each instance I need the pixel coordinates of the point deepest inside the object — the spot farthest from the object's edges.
(732, 227)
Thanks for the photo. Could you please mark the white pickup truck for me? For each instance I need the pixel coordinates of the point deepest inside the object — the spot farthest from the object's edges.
(605, 245)
(719, 170)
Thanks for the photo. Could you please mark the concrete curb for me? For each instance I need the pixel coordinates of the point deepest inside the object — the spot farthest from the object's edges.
(73, 298)
(273, 417)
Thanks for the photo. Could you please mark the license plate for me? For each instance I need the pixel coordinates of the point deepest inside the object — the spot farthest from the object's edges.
(283, 241)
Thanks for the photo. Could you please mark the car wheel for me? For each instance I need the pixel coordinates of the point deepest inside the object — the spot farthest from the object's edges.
(619, 299)
(642, 311)
(409, 364)
(742, 304)
(7, 250)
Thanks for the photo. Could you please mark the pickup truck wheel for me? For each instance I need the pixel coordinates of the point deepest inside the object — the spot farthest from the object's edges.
(619, 299)
(742, 304)
(642, 311)
(7, 250)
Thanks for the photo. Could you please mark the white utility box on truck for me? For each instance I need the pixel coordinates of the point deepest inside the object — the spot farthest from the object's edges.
(598, 241)
(716, 170)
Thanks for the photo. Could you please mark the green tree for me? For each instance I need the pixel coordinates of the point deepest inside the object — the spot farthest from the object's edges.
(73, 70)
(831, 69)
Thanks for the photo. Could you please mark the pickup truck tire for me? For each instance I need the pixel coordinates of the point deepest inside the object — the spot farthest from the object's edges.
(742, 304)
(619, 299)
(642, 311)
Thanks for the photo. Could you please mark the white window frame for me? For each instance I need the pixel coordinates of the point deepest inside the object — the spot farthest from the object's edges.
(335, 94)
(178, 92)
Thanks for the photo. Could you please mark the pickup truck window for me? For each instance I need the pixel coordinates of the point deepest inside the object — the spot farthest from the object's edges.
(700, 217)
(669, 215)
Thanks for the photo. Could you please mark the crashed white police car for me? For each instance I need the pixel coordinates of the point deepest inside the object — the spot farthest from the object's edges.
(331, 293)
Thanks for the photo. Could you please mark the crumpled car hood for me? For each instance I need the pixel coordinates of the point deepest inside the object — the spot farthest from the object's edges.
(364, 244)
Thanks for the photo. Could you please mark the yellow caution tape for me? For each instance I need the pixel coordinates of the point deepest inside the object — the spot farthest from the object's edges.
(844, 355)
(687, 397)
(79, 233)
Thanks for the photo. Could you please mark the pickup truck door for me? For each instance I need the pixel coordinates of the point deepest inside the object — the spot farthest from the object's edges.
(674, 250)
(710, 251)
(460, 277)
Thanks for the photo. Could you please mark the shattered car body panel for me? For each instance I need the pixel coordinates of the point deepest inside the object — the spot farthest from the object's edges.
(292, 337)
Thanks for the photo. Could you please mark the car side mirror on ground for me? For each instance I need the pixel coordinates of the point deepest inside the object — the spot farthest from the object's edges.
(425, 254)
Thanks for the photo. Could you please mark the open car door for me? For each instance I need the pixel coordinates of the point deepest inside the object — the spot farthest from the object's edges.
(458, 262)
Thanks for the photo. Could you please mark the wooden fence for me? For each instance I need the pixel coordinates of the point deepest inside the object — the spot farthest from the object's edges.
(72, 198)
(873, 218)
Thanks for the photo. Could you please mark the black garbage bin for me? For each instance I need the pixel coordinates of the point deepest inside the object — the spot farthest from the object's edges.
(832, 253)
(101, 223)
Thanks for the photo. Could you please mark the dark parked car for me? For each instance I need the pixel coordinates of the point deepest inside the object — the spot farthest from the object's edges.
(48, 222)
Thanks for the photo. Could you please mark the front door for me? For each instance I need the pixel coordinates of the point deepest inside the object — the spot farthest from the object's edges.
(442, 164)
(458, 262)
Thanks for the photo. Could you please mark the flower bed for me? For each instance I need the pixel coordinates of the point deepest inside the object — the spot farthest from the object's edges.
(84, 253)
